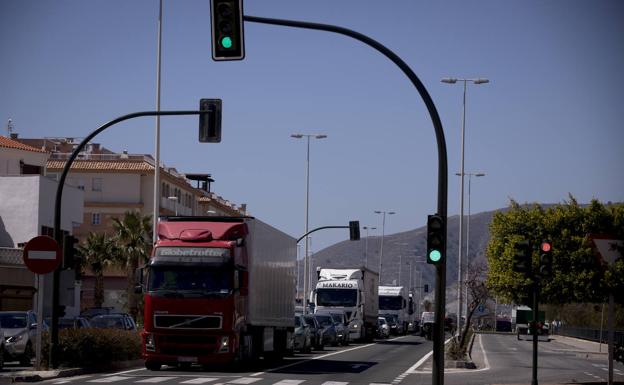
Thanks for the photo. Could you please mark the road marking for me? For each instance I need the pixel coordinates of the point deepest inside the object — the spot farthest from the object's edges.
(201, 380)
(124, 372)
(155, 380)
(314, 358)
(334, 383)
(110, 379)
(289, 382)
(244, 380)
(61, 382)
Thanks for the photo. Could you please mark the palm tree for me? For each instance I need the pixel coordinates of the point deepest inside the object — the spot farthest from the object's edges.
(134, 236)
(98, 252)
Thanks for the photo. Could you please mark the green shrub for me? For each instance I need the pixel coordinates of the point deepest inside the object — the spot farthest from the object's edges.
(93, 348)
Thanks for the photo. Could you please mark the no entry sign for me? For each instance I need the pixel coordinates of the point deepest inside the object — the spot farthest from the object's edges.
(42, 255)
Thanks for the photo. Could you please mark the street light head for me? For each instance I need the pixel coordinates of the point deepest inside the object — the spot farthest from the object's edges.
(377, 212)
(449, 80)
(480, 174)
(391, 213)
(481, 81)
(298, 136)
(458, 173)
(321, 136)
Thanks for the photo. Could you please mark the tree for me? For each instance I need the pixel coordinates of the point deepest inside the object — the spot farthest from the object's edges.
(98, 252)
(478, 294)
(578, 275)
(134, 236)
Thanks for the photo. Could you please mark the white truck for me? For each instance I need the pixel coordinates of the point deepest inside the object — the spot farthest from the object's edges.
(393, 306)
(356, 292)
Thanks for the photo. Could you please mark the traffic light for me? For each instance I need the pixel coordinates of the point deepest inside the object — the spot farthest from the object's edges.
(354, 230)
(228, 42)
(436, 237)
(546, 258)
(522, 257)
(69, 251)
(210, 121)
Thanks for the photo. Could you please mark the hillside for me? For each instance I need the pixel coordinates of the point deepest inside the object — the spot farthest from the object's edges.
(406, 246)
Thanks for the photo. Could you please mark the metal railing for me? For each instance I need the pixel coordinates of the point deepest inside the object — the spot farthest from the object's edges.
(591, 334)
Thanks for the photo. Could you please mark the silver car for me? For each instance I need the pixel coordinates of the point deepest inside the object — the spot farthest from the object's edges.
(19, 334)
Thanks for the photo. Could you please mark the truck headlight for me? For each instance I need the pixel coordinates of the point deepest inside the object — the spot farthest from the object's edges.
(224, 346)
(150, 346)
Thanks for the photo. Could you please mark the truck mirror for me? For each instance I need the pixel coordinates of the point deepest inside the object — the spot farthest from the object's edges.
(138, 279)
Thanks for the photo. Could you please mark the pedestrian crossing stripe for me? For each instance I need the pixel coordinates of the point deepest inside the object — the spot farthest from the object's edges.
(110, 379)
(199, 380)
(154, 380)
(244, 380)
(289, 382)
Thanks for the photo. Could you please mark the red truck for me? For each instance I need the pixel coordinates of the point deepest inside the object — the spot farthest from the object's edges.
(217, 290)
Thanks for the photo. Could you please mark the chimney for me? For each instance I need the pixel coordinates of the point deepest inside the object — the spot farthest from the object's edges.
(14, 135)
(124, 155)
(243, 208)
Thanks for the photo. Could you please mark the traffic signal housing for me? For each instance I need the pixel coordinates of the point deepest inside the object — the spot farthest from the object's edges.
(210, 121)
(354, 230)
(228, 42)
(522, 257)
(70, 252)
(436, 239)
(546, 258)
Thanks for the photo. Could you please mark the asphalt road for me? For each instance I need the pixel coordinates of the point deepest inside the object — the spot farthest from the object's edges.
(382, 362)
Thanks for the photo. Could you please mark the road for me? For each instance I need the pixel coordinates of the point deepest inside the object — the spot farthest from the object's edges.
(382, 362)
(501, 359)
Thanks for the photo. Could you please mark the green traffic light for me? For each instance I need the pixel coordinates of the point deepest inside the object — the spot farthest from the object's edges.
(435, 255)
(226, 42)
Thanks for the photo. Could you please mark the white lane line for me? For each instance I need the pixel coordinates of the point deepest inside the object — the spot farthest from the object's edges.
(155, 380)
(313, 358)
(334, 383)
(201, 380)
(62, 382)
(110, 379)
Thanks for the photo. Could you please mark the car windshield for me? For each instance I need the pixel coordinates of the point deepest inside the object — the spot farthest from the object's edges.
(108, 321)
(324, 320)
(166, 278)
(13, 320)
(297, 321)
(390, 303)
(336, 297)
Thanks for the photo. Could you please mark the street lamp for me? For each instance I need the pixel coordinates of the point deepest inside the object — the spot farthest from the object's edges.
(306, 267)
(175, 203)
(366, 244)
(470, 175)
(383, 232)
(461, 204)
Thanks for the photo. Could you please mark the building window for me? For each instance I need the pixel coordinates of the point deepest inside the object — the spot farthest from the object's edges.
(163, 190)
(96, 219)
(96, 184)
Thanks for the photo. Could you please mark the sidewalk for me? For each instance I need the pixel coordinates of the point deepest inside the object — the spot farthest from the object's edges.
(584, 348)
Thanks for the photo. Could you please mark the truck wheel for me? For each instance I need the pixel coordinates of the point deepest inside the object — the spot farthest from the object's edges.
(152, 365)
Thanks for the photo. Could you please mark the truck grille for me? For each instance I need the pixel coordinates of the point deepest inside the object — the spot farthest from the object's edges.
(187, 345)
(187, 321)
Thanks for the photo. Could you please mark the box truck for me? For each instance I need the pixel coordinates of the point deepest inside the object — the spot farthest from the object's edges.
(356, 292)
(217, 290)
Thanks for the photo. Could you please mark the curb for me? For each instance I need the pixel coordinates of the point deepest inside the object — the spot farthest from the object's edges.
(43, 375)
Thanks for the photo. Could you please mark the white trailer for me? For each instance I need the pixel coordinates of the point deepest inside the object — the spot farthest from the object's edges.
(393, 306)
(356, 291)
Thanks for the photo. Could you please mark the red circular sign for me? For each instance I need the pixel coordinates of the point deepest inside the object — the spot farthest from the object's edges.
(42, 255)
(546, 247)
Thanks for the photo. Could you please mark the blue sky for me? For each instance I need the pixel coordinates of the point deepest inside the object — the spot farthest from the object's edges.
(548, 123)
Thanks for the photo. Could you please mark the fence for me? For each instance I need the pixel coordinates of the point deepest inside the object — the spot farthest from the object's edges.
(592, 334)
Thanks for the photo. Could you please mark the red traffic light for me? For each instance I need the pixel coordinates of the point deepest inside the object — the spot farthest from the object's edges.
(545, 247)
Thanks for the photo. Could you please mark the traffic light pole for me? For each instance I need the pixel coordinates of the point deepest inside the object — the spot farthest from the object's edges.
(438, 342)
(534, 329)
(57, 217)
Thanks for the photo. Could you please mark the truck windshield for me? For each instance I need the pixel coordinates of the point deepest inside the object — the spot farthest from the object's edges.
(336, 297)
(390, 303)
(190, 279)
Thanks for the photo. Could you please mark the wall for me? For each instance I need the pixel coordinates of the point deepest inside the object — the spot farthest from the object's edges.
(10, 160)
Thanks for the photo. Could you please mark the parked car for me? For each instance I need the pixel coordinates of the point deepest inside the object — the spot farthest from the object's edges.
(19, 329)
(95, 311)
(341, 326)
(113, 321)
(73, 323)
(330, 336)
(316, 331)
(1, 347)
(427, 320)
(302, 340)
(383, 330)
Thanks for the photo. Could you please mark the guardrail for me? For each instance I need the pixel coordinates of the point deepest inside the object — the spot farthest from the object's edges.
(591, 334)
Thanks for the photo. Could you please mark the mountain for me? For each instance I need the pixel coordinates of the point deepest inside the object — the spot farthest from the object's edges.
(406, 246)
